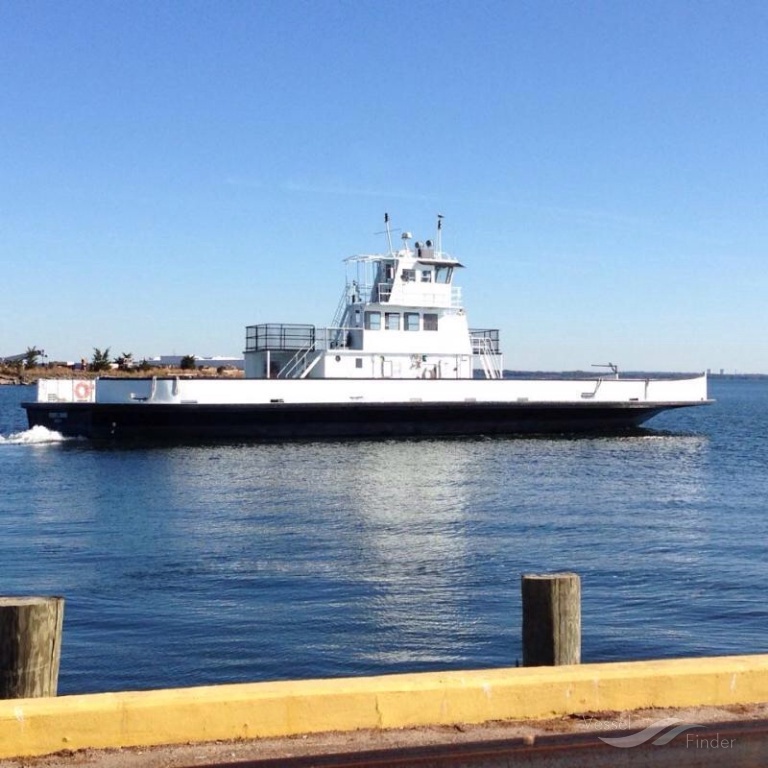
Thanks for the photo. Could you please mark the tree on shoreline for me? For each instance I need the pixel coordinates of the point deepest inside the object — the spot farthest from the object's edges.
(125, 361)
(31, 356)
(100, 360)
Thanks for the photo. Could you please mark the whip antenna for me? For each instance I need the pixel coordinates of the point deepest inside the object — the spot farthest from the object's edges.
(389, 232)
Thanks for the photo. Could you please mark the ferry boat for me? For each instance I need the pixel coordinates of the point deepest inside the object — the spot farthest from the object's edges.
(399, 359)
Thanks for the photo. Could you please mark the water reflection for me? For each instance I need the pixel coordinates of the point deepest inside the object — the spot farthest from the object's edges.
(409, 501)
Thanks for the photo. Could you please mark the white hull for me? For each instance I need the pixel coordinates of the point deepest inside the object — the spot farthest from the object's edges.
(170, 409)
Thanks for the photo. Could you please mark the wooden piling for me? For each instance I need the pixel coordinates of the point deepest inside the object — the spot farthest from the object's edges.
(30, 646)
(551, 619)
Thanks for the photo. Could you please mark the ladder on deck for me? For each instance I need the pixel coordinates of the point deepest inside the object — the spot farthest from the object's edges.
(301, 363)
(483, 348)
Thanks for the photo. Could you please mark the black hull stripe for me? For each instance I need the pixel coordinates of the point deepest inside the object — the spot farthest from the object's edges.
(159, 421)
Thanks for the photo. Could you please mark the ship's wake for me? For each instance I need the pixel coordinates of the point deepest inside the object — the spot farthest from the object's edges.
(35, 436)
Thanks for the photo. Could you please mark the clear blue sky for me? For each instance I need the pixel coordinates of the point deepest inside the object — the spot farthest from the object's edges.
(171, 172)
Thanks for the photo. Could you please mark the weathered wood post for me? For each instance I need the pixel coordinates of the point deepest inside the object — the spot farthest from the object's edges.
(551, 619)
(30, 646)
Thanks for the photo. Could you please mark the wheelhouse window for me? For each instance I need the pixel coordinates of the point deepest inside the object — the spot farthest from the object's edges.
(373, 321)
(443, 274)
(409, 275)
(411, 321)
(430, 321)
(426, 275)
(392, 321)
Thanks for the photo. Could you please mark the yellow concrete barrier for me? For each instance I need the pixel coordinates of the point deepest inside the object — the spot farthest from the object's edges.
(40, 726)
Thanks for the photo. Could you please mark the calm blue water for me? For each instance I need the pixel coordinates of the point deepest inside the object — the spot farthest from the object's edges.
(196, 565)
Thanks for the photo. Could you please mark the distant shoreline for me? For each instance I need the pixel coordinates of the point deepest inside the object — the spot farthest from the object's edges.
(31, 375)
(738, 376)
